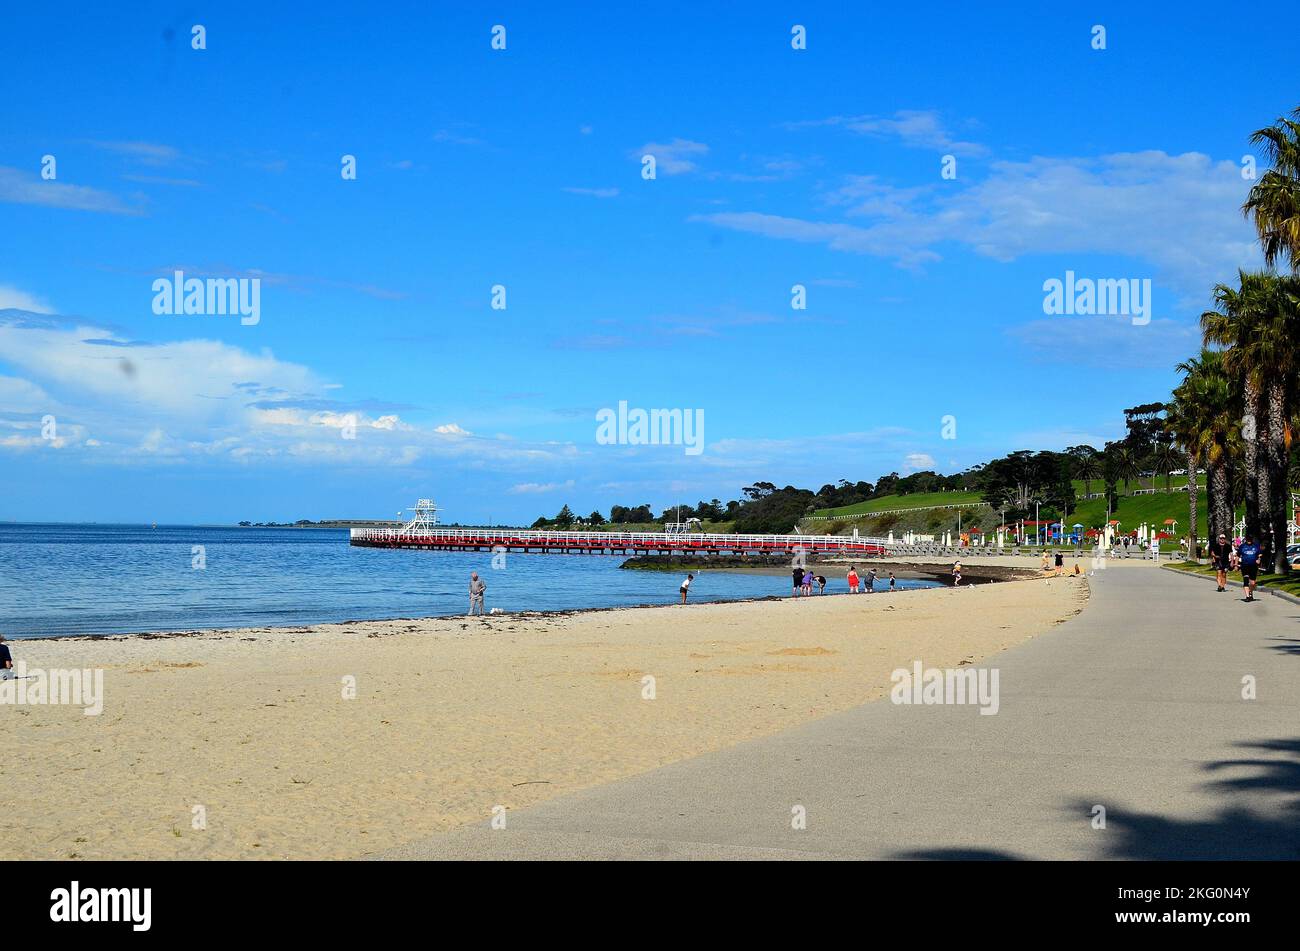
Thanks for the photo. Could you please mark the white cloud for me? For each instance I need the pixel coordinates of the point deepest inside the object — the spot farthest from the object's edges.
(1126, 204)
(1114, 343)
(594, 192)
(915, 128)
(22, 188)
(150, 153)
(12, 297)
(22, 396)
(918, 462)
(536, 488)
(180, 401)
(675, 157)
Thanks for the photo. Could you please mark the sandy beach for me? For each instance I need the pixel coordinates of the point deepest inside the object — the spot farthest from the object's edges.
(451, 717)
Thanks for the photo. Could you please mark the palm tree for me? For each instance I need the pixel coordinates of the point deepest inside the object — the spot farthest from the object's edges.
(1125, 463)
(1181, 423)
(1235, 324)
(1279, 350)
(1274, 201)
(1165, 460)
(1208, 411)
(1086, 465)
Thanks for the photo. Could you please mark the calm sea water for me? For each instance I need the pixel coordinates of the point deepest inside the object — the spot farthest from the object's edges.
(121, 579)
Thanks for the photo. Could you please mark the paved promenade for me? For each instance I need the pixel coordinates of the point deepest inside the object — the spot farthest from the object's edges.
(1135, 705)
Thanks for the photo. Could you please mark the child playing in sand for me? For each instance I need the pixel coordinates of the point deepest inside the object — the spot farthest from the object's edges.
(956, 573)
(853, 580)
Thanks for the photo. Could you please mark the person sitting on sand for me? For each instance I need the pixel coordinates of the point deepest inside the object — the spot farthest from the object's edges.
(477, 588)
(1077, 570)
(686, 586)
(853, 580)
(821, 584)
(6, 661)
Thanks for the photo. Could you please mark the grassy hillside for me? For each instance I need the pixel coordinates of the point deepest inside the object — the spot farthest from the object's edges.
(917, 500)
(921, 515)
(1133, 510)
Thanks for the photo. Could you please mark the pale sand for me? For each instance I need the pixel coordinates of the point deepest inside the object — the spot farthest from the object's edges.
(452, 717)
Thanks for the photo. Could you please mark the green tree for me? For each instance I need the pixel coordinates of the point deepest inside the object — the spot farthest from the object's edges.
(1165, 459)
(1274, 200)
(1085, 464)
(1235, 325)
(1207, 414)
(1125, 463)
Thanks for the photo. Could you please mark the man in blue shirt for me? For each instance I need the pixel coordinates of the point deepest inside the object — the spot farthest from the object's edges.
(1248, 553)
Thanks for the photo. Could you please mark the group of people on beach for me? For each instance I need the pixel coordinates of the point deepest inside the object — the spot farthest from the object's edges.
(868, 586)
(803, 581)
(1056, 564)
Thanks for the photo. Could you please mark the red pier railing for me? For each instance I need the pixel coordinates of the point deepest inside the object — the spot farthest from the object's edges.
(640, 543)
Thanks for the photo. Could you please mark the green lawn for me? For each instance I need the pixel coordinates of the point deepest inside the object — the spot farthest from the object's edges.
(917, 500)
(1136, 509)
(1091, 513)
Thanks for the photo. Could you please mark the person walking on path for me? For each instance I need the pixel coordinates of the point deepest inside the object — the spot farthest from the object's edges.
(477, 588)
(1221, 559)
(686, 587)
(1248, 553)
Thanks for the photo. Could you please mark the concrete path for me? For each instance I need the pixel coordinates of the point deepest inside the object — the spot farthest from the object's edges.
(1135, 705)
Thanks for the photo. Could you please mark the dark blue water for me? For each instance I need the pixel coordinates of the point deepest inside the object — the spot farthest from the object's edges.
(121, 579)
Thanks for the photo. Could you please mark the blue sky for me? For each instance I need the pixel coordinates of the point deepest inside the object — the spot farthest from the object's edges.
(522, 167)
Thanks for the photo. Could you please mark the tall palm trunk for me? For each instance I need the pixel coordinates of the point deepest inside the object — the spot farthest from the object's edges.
(1193, 460)
(1277, 465)
(1264, 477)
(1218, 498)
(1251, 458)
